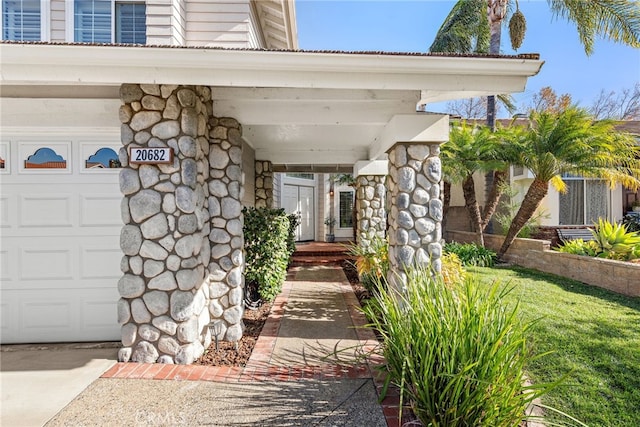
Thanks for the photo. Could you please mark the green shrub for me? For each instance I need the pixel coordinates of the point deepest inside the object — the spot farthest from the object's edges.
(579, 247)
(456, 353)
(294, 222)
(472, 254)
(612, 241)
(632, 222)
(265, 242)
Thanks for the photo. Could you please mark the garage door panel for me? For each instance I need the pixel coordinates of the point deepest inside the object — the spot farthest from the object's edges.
(58, 315)
(5, 265)
(5, 212)
(46, 314)
(101, 262)
(45, 210)
(99, 313)
(46, 263)
(8, 317)
(52, 262)
(99, 210)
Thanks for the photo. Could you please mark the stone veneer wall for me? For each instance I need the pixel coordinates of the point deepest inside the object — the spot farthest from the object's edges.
(163, 305)
(616, 276)
(182, 239)
(227, 239)
(415, 220)
(264, 184)
(370, 208)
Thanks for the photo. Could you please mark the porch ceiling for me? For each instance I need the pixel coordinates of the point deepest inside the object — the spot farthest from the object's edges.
(300, 110)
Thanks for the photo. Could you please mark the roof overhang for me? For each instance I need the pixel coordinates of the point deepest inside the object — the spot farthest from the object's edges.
(277, 19)
(296, 108)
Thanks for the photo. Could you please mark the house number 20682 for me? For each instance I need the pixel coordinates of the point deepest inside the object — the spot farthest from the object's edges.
(144, 155)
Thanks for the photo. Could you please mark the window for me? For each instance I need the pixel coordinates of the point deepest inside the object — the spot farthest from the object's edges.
(585, 201)
(93, 21)
(301, 175)
(131, 23)
(346, 209)
(21, 20)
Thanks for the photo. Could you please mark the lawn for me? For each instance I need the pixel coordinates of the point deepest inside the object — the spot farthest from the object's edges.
(595, 339)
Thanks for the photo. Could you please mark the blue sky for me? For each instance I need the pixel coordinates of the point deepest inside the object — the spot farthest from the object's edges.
(410, 26)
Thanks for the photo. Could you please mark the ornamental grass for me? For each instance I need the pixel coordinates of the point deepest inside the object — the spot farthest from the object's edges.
(456, 352)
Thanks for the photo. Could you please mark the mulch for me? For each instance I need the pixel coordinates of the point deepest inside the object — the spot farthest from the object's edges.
(237, 354)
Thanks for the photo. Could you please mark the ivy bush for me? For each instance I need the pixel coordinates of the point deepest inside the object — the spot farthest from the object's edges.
(472, 254)
(266, 236)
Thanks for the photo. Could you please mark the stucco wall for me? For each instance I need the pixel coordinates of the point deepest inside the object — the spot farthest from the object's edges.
(616, 276)
(457, 198)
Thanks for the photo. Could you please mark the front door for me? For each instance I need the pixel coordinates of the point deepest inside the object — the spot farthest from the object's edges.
(298, 199)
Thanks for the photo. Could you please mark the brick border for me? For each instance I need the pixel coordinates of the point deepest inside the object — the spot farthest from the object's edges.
(258, 368)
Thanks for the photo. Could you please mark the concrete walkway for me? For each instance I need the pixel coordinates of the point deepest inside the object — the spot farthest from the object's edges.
(308, 368)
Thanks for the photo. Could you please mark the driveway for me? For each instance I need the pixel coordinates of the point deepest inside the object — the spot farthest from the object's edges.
(37, 381)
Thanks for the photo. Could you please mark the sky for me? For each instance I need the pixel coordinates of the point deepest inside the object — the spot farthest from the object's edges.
(410, 26)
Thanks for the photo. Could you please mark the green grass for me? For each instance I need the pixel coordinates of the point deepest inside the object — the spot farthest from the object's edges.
(595, 339)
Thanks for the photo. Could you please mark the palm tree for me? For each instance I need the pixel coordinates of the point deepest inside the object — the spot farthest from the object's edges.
(471, 149)
(476, 26)
(572, 142)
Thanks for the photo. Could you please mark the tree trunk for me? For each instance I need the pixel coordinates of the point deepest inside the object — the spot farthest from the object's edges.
(493, 198)
(537, 191)
(469, 191)
(446, 202)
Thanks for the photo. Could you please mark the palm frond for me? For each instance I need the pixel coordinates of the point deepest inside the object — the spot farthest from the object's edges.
(464, 30)
(617, 20)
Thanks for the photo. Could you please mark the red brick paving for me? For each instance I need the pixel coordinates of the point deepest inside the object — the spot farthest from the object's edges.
(258, 368)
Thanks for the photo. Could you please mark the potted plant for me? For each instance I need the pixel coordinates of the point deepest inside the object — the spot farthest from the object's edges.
(635, 205)
(330, 222)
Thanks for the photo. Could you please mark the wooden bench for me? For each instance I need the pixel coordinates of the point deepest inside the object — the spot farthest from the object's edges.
(567, 234)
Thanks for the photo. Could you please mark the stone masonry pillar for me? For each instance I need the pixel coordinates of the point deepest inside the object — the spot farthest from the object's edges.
(415, 232)
(164, 296)
(370, 208)
(264, 184)
(226, 266)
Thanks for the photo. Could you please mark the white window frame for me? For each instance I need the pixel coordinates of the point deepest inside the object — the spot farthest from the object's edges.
(70, 18)
(609, 215)
(350, 214)
(45, 21)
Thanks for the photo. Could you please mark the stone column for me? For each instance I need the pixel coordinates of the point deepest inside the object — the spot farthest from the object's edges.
(226, 289)
(370, 208)
(264, 184)
(163, 304)
(415, 232)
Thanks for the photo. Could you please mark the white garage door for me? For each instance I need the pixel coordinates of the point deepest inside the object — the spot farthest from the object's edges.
(60, 224)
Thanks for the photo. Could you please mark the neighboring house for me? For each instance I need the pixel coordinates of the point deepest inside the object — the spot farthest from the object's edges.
(585, 201)
(151, 123)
